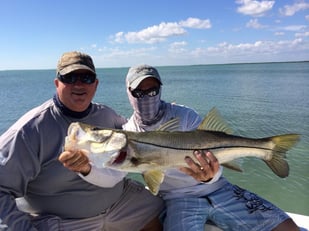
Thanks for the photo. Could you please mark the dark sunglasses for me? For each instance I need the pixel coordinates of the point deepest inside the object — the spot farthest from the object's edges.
(137, 93)
(73, 77)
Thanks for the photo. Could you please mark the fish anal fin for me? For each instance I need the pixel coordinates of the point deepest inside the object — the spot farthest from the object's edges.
(153, 179)
(232, 165)
(213, 121)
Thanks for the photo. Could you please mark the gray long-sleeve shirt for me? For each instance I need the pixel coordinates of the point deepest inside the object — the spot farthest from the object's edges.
(29, 168)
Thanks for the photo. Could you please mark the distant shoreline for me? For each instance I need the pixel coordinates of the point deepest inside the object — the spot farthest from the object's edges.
(189, 65)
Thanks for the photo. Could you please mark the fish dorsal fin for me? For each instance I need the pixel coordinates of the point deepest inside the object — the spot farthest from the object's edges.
(153, 179)
(171, 125)
(213, 121)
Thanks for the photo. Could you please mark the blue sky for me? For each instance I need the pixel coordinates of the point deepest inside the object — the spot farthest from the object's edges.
(122, 33)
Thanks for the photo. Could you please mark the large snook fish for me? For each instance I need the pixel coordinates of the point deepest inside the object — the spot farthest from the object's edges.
(153, 152)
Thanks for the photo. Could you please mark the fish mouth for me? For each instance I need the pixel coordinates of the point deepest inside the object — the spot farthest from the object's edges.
(120, 158)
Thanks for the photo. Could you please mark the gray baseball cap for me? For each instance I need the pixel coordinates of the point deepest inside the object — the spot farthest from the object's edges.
(138, 73)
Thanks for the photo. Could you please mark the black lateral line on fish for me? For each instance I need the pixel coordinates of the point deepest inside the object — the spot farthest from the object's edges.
(219, 147)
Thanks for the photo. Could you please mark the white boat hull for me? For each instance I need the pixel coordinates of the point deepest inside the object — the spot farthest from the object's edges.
(301, 220)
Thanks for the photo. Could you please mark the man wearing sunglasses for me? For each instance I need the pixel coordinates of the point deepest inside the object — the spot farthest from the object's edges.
(39, 192)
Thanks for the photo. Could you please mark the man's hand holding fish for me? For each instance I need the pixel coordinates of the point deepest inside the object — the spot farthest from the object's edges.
(76, 161)
(206, 170)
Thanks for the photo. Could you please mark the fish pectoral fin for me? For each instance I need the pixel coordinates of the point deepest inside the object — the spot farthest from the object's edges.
(153, 179)
(213, 121)
(232, 165)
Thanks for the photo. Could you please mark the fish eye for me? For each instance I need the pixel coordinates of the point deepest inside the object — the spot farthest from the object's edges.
(95, 129)
(134, 161)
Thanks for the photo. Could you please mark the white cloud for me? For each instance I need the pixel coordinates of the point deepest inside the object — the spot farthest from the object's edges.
(294, 28)
(279, 33)
(116, 52)
(196, 23)
(254, 8)
(150, 35)
(120, 57)
(290, 10)
(251, 52)
(159, 33)
(117, 56)
(177, 47)
(119, 37)
(307, 17)
(254, 23)
(301, 35)
(179, 44)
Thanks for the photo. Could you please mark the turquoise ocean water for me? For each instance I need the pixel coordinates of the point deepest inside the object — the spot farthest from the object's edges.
(257, 100)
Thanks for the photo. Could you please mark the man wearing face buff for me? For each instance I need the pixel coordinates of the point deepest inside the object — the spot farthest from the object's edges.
(200, 193)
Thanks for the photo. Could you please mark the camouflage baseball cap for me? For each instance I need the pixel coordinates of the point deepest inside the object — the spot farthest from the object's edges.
(74, 60)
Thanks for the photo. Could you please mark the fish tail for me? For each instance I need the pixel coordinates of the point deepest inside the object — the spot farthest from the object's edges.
(282, 143)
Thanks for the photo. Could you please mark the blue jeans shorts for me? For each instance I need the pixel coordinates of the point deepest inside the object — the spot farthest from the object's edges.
(229, 208)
